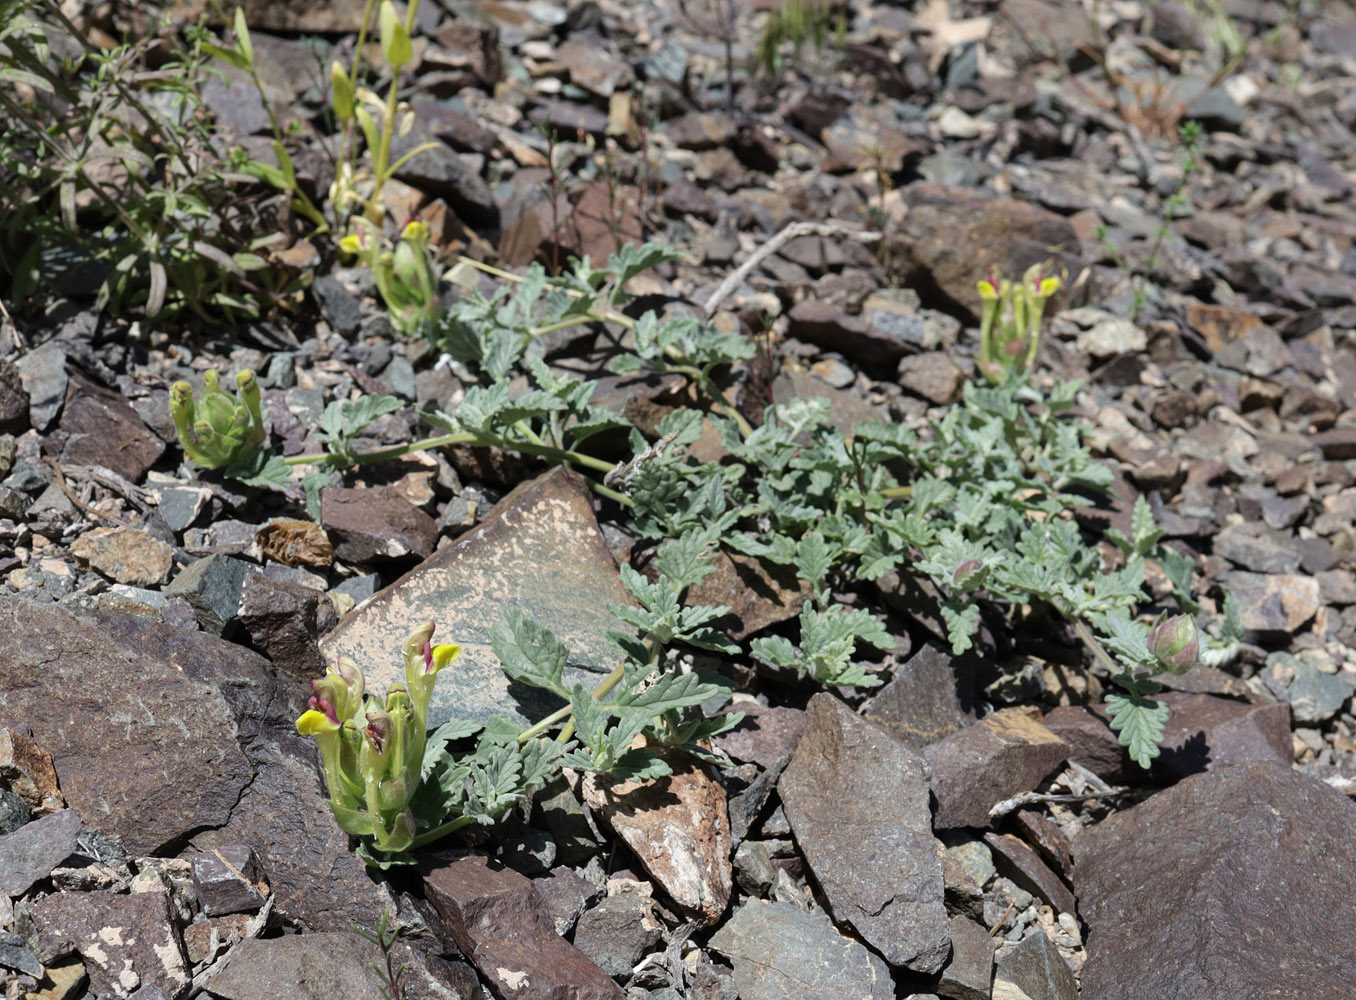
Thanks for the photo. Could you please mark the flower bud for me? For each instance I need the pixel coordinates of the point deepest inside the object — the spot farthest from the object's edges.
(1175, 642)
(969, 575)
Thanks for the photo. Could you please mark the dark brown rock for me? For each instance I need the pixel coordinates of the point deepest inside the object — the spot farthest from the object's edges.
(28, 772)
(934, 694)
(998, 757)
(1034, 968)
(13, 400)
(375, 525)
(126, 941)
(857, 802)
(1338, 444)
(228, 880)
(758, 594)
(952, 237)
(285, 621)
(825, 326)
(1048, 839)
(1205, 733)
(1158, 881)
(149, 751)
(501, 923)
(99, 427)
(1016, 861)
(1091, 742)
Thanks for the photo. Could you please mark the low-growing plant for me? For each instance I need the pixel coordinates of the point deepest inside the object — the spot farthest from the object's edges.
(795, 24)
(978, 507)
(397, 787)
(113, 169)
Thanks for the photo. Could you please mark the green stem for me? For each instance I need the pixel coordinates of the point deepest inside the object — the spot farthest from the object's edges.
(429, 836)
(600, 692)
(897, 492)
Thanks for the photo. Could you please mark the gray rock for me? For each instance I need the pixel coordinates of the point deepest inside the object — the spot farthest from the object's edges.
(213, 586)
(228, 880)
(301, 966)
(566, 895)
(1158, 881)
(338, 305)
(858, 803)
(933, 376)
(115, 718)
(780, 952)
(995, 759)
(1033, 968)
(442, 172)
(547, 522)
(14, 813)
(825, 326)
(1272, 603)
(126, 941)
(43, 375)
(617, 933)
(527, 850)
(767, 734)
(557, 808)
(1254, 547)
(15, 955)
(932, 695)
(30, 852)
(501, 923)
(968, 975)
(1314, 695)
(182, 505)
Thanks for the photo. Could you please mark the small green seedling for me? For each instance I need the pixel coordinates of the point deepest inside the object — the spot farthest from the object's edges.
(406, 277)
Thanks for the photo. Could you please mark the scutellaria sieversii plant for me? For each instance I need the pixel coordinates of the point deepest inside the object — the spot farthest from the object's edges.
(373, 751)
(406, 277)
(219, 430)
(1010, 321)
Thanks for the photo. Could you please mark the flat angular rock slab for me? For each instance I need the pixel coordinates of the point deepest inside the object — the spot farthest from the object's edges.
(780, 952)
(970, 972)
(1273, 603)
(32, 851)
(679, 828)
(127, 942)
(302, 967)
(1231, 884)
(934, 694)
(857, 801)
(145, 751)
(540, 550)
(998, 757)
(503, 925)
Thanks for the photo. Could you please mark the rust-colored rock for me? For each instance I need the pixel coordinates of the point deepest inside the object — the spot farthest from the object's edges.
(27, 769)
(678, 827)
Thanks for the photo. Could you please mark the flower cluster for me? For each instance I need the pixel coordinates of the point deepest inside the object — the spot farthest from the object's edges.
(1010, 321)
(373, 751)
(219, 430)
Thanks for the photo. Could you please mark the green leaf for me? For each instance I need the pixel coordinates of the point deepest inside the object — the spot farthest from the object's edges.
(813, 559)
(1139, 723)
(669, 692)
(395, 38)
(529, 652)
(961, 623)
(242, 36)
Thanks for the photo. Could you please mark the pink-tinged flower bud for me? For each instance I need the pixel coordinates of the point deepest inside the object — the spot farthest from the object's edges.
(969, 575)
(1175, 642)
(379, 731)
